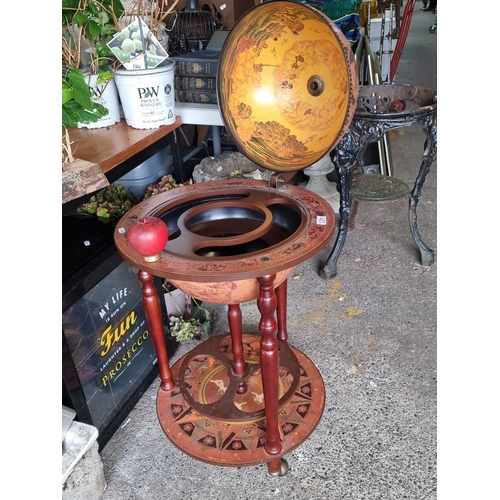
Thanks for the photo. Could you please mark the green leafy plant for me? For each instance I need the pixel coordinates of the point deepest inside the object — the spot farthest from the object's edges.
(184, 329)
(196, 327)
(87, 27)
(77, 104)
(112, 204)
(185, 326)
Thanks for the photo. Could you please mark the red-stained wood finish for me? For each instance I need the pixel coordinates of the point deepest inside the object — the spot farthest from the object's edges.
(153, 315)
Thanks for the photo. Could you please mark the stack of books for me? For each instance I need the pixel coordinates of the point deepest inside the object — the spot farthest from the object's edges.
(195, 76)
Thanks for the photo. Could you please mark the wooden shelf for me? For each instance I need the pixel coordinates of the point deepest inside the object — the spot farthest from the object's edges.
(98, 151)
(109, 147)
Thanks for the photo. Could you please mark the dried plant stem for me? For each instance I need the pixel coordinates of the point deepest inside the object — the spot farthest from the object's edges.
(66, 145)
(140, 8)
(72, 56)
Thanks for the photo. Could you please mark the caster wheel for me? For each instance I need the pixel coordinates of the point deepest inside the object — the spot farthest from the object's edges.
(284, 468)
(432, 29)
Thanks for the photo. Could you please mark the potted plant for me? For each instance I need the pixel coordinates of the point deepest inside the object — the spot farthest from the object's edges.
(188, 319)
(89, 95)
(176, 301)
(152, 14)
(111, 204)
(146, 80)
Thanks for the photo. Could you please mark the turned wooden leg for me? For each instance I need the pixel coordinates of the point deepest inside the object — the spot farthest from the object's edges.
(154, 317)
(236, 329)
(269, 361)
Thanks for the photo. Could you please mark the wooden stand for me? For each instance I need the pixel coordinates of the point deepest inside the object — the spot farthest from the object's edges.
(238, 399)
(271, 396)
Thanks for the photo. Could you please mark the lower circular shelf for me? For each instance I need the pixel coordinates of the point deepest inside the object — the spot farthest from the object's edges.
(210, 386)
(375, 187)
(241, 443)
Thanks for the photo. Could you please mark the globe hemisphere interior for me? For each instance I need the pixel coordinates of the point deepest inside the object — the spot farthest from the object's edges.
(287, 85)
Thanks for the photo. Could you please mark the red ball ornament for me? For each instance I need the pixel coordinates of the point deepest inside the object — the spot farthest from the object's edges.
(148, 236)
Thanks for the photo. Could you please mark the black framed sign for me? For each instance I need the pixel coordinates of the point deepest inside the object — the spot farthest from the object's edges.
(108, 357)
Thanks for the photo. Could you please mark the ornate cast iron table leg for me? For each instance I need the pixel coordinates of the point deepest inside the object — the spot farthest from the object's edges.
(429, 126)
(348, 156)
(382, 108)
(345, 158)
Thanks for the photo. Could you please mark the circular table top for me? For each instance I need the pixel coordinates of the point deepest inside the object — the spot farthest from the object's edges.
(179, 259)
(398, 101)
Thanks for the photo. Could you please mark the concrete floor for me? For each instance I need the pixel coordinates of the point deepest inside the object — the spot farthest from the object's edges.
(371, 332)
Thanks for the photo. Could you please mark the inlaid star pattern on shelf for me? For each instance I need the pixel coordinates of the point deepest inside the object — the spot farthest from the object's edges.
(240, 443)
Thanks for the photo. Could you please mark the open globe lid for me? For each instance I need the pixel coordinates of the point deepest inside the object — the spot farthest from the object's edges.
(287, 85)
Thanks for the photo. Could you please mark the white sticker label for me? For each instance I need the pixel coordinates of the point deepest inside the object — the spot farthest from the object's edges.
(223, 6)
(321, 220)
(86, 243)
(121, 230)
(219, 168)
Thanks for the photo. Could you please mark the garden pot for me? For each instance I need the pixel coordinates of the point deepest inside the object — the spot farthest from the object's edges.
(147, 95)
(175, 302)
(107, 95)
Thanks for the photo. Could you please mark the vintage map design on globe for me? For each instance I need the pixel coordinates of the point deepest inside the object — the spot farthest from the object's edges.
(287, 85)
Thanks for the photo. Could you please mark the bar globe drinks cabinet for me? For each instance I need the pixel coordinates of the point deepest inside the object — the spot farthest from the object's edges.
(287, 90)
